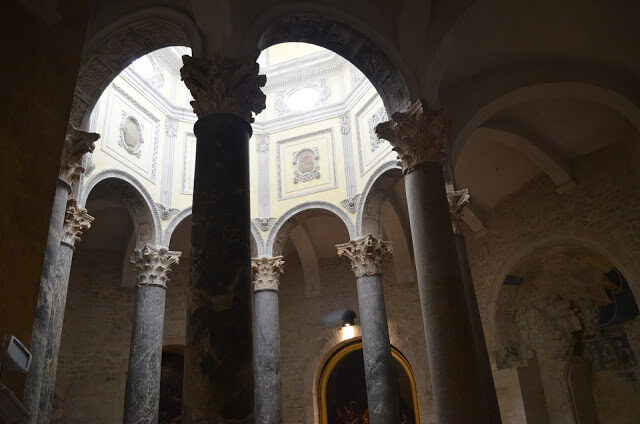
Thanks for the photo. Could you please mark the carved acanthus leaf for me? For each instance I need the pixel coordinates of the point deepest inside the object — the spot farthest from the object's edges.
(365, 254)
(76, 144)
(416, 135)
(153, 264)
(266, 273)
(76, 221)
(222, 85)
(458, 199)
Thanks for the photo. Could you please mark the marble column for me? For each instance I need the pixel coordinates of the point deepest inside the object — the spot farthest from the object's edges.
(266, 343)
(458, 200)
(457, 390)
(366, 256)
(76, 221)
(142, 393)
(76, 144)
(218, 376)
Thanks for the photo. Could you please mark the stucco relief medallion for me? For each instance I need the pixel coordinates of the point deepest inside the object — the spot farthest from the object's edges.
(306, 165)
(380, 115)
(131, 135)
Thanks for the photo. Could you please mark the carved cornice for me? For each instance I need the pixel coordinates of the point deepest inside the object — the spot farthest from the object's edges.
(458, 199)
(153, 264)
(266, 273)
(222, 85)
(76, 221)
(416, 135)
(365, 254)
(76, 144)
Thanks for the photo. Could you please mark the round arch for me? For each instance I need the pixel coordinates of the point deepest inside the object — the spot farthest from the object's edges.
(376, 190)
(145, 216)
(313, 26)
(118, 44)
(333, 358)
(281, 227)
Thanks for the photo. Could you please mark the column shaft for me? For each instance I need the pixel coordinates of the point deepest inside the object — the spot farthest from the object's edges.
(267, 357)
(482, 356)
(218, 377)
(382, 396)
(41, 323)
(142, 395)
(454, 376)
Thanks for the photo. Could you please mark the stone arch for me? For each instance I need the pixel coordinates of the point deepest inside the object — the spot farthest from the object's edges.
(480, 105)
(113, 48)
(145, 216)
(285, 224)
(381, 66)
(375, 192)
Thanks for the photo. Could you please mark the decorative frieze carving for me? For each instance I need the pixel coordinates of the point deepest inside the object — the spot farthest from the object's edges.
(416, 135)
(264, 224)
(223, 85)
(76, 144)
(306, 163)
(345, 124)
(266, 273)
(153, 264)
(76, 221)
(458, 199)
(365, 254)
(351, 203)
(262, 142)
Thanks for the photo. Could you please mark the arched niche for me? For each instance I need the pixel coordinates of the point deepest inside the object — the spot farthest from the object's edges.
(343, 370)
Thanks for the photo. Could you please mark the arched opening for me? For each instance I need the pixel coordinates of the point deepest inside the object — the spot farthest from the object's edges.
(341, 391)
(566, 320)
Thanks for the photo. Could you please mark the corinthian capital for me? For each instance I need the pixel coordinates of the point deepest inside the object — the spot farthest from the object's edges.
(458, 199)
(76, 221)
(223, 85)
(416, 135)
(153, 264)
(366, 254)
(266, 273)
(76, 144)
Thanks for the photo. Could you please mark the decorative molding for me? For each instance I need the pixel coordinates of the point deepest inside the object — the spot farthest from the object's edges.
(378, 116)
(188, 166)
(351, 203)
(262, 143)
(76, 144)
(360, 138)
(365, 254)
(166, 181)
(264, 224)
(458, 200)
(76, 221)
(281, 104)
(266, 273)
(345, 124)
(166, 213)
(223, 85)
(306, 163)
(416, 135)
(133, 147)
(153, 264)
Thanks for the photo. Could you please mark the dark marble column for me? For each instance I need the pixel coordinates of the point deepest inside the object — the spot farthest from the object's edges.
(266, 342)
(218, 376)
(366, 256)
(142, 395)
(458, 199)
(457, 390)
(76, 221)
(77, 143)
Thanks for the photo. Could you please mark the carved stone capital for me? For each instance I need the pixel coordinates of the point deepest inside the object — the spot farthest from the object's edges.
(416, 135)
(366, 254)
(153, 264)
(223, 85)
(266, 273)
(76, 144)
(76, 221)
(458, 199)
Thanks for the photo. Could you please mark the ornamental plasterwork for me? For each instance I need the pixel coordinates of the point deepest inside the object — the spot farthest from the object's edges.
(351, 203)
(264, 224)
(131, 138)
(369, 146)
(153, 264)
(416, 135)
(76, 221)
(319, 87)
(266, 273)
(458, 199)
(76, 144)
(262, 142)
(378, 116)
(306, 163)
(188, 163)
(224, 85)
(166, 213)
(366, 254)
